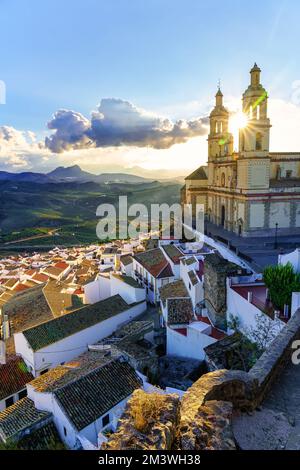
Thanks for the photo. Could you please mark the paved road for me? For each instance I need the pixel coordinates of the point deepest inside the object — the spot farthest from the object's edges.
(285, 397)
(276, 425)
(50, 233)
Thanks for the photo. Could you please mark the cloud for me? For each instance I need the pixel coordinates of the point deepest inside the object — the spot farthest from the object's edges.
(85, 142)
(71, 131)
(16, 146)
(117, 123)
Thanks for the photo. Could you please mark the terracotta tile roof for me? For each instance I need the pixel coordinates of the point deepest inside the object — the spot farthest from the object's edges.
(56, 330)
(173, 253)
(14, 376)
(93, 395)
(59, 302)
(128, 280)
(43, 438)
(173, 289)
(10, 283)
(189, 261)
(154, 262)
(20, 288)
(180, 311)
(60, 376)
(126, 260)
(61, 265)
(53, 271)
(20, 416)
(166, 272)
(40, 277)
(193, 277)
(30, 272)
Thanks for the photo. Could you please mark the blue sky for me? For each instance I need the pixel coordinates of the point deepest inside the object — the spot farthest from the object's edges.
(164, 56)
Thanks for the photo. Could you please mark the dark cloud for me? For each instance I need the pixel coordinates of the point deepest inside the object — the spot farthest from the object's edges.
(71, 131)
(116, 123)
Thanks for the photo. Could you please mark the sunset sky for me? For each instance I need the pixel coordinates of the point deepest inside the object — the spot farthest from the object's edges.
(118, 84)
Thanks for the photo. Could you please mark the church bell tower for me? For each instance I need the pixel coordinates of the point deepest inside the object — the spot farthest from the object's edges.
(254, 139)
(220, 141)
(253, 170)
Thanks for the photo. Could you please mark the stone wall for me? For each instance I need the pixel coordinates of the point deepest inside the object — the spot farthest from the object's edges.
(202, 420)
(274, 359)
(216, 271)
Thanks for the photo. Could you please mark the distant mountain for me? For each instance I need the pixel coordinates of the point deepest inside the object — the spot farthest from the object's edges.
(120, 178)
(72, 174)
(24, 177)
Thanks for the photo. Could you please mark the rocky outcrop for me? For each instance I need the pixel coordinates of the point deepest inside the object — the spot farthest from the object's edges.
(206, 410)
(206, 427)
(141, 428)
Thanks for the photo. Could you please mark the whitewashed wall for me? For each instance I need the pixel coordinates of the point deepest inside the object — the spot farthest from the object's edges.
(74, 345)
(191, 346)
(293, 258)
(129, 293)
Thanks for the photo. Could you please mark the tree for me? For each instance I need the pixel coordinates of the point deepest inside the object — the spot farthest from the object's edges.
(281, 281)
(264, 332)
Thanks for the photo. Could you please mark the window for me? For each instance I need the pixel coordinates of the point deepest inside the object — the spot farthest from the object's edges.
(65, 432)
(9, 401)
(259, 141)
(223, 179)
(289, 173)
(22, 394)
(242, 141)
(105, 420)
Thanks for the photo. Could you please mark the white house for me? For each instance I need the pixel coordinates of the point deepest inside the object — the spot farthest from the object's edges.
(126, 265)
(83, 398)
(59, 340)
(187, 336)
(190, 341)
(14, 376)
(191, 273)
(247, 301)
(152, 270)
(173, 254)
(92, 291)
(109, 257)
(129, 289)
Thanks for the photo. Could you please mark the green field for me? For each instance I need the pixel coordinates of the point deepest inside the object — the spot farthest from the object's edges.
(68, 210)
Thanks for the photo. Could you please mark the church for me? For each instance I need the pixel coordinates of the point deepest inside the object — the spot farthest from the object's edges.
(252, 191)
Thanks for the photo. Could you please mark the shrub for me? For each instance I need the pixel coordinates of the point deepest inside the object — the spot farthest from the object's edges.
(281, 281)
(145, 409)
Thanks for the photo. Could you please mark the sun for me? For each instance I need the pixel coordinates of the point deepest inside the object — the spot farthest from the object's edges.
(237, 121)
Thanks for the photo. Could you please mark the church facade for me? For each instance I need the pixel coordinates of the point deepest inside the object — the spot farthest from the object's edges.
(252, 191)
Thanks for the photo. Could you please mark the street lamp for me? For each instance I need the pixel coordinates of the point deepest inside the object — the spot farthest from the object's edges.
(276, 240)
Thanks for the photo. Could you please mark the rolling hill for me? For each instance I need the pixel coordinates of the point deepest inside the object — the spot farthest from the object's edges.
(28, 208)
